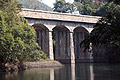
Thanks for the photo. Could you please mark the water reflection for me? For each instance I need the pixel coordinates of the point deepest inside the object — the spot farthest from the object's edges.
(84, 72)
(52, 74)
(72, 71)
(68, 72)
(91, 72)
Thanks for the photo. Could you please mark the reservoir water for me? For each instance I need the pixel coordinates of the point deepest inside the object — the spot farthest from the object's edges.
(82, 71)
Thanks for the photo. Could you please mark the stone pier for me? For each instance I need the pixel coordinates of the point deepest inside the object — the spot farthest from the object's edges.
(51, 54)
(72, 48)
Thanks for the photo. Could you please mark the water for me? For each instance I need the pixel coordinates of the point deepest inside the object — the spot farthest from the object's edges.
(82, 71)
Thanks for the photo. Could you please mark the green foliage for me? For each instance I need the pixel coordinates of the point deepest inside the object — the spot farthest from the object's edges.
(87, 10)
(102, 11)
(35, 4)
(107, 32)
(17, 38)
(79, 6)
(63, 7)
(87, 7)
(115, 1)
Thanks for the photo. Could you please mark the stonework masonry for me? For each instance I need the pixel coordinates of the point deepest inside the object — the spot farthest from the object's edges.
(69, 30)
(58, 16)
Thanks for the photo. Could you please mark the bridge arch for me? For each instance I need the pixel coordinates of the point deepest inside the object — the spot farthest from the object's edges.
(61, 39)
(42, 37)
(79, 35)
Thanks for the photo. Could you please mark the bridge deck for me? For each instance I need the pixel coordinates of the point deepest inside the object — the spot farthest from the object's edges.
(30, 13)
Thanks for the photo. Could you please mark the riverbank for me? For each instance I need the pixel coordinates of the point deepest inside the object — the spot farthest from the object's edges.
(11, 66)
(42, 64)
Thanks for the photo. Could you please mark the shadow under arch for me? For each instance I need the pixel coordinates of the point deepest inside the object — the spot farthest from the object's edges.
(61, 42)
(42, 37)
(79, 35)
(99, 52)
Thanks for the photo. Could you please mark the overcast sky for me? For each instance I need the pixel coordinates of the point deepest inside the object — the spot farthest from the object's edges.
(50, 2)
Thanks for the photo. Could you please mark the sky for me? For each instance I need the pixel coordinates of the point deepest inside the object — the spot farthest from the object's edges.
(50, 2)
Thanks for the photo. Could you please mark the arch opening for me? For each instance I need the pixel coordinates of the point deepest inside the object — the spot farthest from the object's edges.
(61, 42)
(42, 37)
(79, 35)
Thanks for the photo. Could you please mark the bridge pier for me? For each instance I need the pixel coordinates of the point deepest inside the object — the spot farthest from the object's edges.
(67, 43)
(72, 48)
(51, 54)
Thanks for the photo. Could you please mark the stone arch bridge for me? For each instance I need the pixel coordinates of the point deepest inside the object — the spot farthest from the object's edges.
(62, 31)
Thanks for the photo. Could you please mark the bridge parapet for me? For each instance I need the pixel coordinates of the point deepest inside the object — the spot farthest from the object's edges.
(58, 16)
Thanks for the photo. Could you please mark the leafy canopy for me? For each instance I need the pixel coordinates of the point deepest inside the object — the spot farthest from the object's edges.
(107, 32)
(63, 7)
(17, 38)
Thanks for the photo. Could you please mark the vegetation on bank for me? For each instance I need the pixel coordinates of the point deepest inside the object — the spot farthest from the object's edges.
(85, 7)
(106, 33)
(17, 38)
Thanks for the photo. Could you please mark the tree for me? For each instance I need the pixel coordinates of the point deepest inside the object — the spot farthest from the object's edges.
(87, 7)
(63, 7)
(107, 32)
(102, 11)
(17, 38)
(115, 1)
(79, 6)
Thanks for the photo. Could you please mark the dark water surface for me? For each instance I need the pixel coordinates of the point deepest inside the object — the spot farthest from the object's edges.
(82, 71)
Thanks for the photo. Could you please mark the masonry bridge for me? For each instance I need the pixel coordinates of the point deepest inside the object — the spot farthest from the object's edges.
(59, 35)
